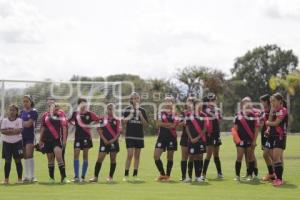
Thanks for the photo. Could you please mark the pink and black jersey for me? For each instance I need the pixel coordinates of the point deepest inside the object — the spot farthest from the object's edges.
(281, 129)
(53, 124)
(82, 122)
(168, 117)
(197, 125)
(246, 125)
(110, 126)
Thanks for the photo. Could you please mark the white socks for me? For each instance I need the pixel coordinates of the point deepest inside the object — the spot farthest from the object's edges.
(29, 168)
(26, 171)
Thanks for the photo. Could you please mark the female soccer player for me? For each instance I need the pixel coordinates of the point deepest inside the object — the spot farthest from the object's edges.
(186, 161)
(245, 132)
(134, 118)
(82, 119)
(212, 134)
(11, 128)
(109, 132)
(278, 130)
(266, 146)
(167, 138)
(29, 116)
(53, 139)
(196, 126)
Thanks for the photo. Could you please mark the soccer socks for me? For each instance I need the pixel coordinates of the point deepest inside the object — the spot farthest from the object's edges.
(62, 170)
(218, 164)
(278, 170)
(251, 167)
(112, 169)
(205, 166)
(97, 169)
(51, 170)
(26, 171)
(76, 168)
(126, 172)
(238, 166)
(7, 167)
(30, 168)
(190, 168)
(169, 167)
(270, 169)
(255, 171)
(160, 167)
(85, 165)
(135, 172)
(19, 168)
(183, 169)
(198, 167)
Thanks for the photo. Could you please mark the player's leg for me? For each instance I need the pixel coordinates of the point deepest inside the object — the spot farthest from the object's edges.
(130, 152)
(76, 164)
(58, 155)
(85, 163)
(98, 165)
(209, 152)
(184, 159)
(238, 162)
(159, 164)
(216, 153)
(137, 154)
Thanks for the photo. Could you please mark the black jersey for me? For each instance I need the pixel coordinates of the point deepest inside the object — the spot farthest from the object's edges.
(134, 126)
(196, 125)
(214, 116)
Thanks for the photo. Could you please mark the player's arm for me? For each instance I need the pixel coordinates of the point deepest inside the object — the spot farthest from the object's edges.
(274, 123)
(28, 124)
(193, 140)
(100, 132)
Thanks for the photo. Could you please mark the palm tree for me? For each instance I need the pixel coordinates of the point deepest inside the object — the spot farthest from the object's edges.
(289, 83)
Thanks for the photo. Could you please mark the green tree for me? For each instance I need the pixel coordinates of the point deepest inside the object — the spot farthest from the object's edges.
(257, 66)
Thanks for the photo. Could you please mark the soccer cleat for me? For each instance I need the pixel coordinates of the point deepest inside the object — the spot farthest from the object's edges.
(75, 180)
(82, 180)
(237, 178)
(34, 180)
(51, 180)
(5, 182)
(199, 180)
(203, 177)
(135, 178)
(19, 181)
(161, 178)
(249, 178)
(65, 180)
(187, 180)
(93, 180)
(26, 180)
(277, 182)
(109, 179)
(269, 177)
(255, 178)
(220, 176)
(125, 178)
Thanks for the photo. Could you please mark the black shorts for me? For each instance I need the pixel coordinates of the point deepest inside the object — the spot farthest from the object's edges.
(135, 143)
(50, 145)
(111, 148)
(184, 140)
(81, 144)
(244, 144)
(213, 141)
(14, 150)
(27, 141)
(279, 143)
(197, 148)
(166, 143)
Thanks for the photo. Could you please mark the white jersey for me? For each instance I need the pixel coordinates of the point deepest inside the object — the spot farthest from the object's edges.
(7, 124)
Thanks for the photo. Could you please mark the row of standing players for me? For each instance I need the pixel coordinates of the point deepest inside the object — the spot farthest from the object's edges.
(201, 134)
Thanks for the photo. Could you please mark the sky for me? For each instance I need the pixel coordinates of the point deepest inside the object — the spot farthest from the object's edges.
(55, 39)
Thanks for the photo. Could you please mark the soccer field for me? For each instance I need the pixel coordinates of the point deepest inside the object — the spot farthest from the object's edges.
(148, 188)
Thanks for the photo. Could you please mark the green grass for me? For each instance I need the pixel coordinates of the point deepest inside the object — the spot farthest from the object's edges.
(149, 189)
